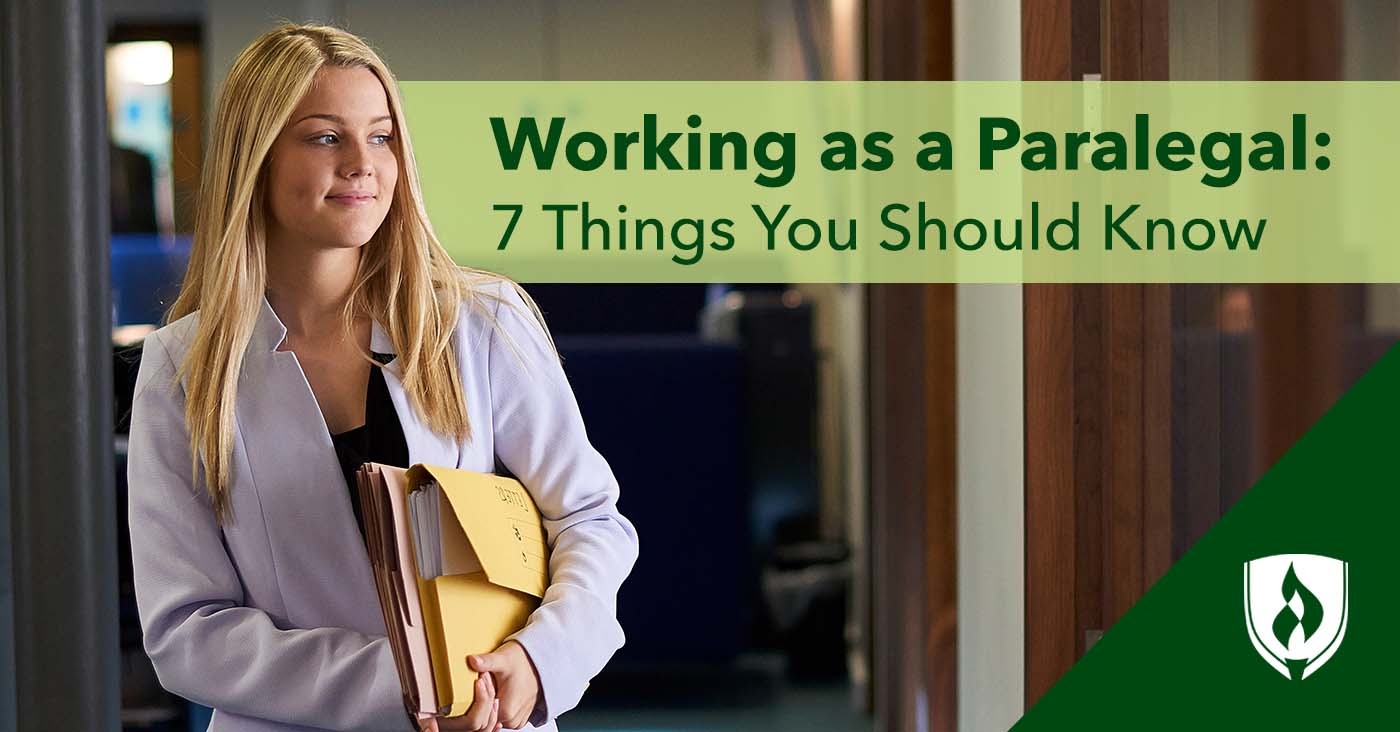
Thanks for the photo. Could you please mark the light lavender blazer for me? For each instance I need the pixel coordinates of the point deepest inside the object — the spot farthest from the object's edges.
(274, 621)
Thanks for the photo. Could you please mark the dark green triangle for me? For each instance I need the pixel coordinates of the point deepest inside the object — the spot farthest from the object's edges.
(1181, 659)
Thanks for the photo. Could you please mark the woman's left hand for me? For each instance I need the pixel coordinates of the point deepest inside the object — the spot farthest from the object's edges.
(517, 681)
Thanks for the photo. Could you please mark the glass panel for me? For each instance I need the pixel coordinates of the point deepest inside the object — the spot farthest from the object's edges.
(1254, 365)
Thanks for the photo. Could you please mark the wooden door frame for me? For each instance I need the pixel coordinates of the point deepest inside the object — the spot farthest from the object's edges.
(912, 339)
(1097, 386)
(1098, 359)
(1298, 361)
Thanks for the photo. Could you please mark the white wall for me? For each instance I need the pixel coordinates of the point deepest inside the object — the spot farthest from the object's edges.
(986, 40)
(991, 429)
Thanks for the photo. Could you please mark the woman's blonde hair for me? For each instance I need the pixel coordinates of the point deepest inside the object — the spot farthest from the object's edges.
(406, 279)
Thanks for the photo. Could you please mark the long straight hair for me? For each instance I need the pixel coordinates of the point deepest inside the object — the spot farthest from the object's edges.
(406, 279)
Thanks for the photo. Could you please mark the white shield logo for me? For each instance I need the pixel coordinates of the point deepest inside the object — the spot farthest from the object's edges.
(1295, 607)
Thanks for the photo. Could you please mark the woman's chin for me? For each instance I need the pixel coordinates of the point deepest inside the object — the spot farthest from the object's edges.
(346, 241)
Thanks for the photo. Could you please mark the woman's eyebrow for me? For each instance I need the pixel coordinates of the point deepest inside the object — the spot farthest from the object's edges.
(340, 120)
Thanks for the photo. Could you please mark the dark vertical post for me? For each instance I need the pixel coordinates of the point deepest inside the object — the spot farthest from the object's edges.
(1059, 42)
(897, 480)
(58, 468)
(1299, 328)
(913, 434)
(8, 695)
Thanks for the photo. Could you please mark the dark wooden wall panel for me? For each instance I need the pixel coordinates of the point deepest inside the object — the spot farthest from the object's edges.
(1134, 39)
(1299, 345)
(1157, 482)
(913, 434)
(1297, 40)
(1045, 40)
(1085, 332)
(1098, 370)
(1297, 366)
(897, 467)
(1057, 543)
(1123, 450)
(1198, 413)
(1051, 622)
(940, 516)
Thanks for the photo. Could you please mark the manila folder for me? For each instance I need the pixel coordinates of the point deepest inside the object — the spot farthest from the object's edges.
(473, 612)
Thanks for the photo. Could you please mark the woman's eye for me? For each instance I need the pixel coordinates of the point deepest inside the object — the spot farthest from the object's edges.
(330, 138)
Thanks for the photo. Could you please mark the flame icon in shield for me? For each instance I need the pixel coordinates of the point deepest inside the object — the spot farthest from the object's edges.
(1296, 608)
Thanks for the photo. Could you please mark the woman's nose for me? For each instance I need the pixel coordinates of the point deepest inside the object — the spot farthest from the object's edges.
(356, 163)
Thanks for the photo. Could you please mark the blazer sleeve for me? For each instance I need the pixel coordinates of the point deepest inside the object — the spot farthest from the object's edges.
(539, 436)
(205, 645)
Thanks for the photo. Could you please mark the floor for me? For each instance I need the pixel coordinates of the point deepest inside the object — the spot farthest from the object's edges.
(798, 711)
(755, 697)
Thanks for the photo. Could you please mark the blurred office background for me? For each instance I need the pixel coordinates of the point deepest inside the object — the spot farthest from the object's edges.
(729, 414)
(913, 506)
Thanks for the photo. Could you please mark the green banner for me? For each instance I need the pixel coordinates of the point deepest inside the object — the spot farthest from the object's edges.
(913, 181)
(1279, 617)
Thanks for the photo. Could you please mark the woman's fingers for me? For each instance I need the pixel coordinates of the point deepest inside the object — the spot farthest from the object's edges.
(502, 703)
(484, 712)
(483, 702)
(516, 719)
(452, 724)
(510, 713)
(495, 716)
(515, 707)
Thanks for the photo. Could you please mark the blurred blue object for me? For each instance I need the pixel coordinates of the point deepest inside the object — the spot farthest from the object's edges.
(665, 411)
(200, 716)
(146, 274)
(620, 308)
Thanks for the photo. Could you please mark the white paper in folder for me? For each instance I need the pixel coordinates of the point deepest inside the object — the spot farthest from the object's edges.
(440, 544)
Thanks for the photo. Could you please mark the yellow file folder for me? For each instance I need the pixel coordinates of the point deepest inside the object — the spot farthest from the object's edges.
(485, 535)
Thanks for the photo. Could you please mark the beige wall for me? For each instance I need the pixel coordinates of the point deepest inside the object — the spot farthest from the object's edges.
(1209, 40)
(991, 483)
(522, 39)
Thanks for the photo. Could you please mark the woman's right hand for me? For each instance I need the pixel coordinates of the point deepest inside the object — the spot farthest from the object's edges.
(482, 716)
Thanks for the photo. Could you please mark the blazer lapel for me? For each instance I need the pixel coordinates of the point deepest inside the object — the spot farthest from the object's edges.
(424, 445)
(318, 553)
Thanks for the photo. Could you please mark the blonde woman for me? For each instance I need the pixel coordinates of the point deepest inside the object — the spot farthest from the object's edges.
(321, 323)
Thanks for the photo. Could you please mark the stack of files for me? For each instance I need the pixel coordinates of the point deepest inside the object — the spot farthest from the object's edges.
(460, 562)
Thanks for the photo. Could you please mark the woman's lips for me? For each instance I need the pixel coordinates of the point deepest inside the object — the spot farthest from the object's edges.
(351, 199)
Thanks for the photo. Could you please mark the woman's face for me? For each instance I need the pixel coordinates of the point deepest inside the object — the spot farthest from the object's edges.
(333, 168)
